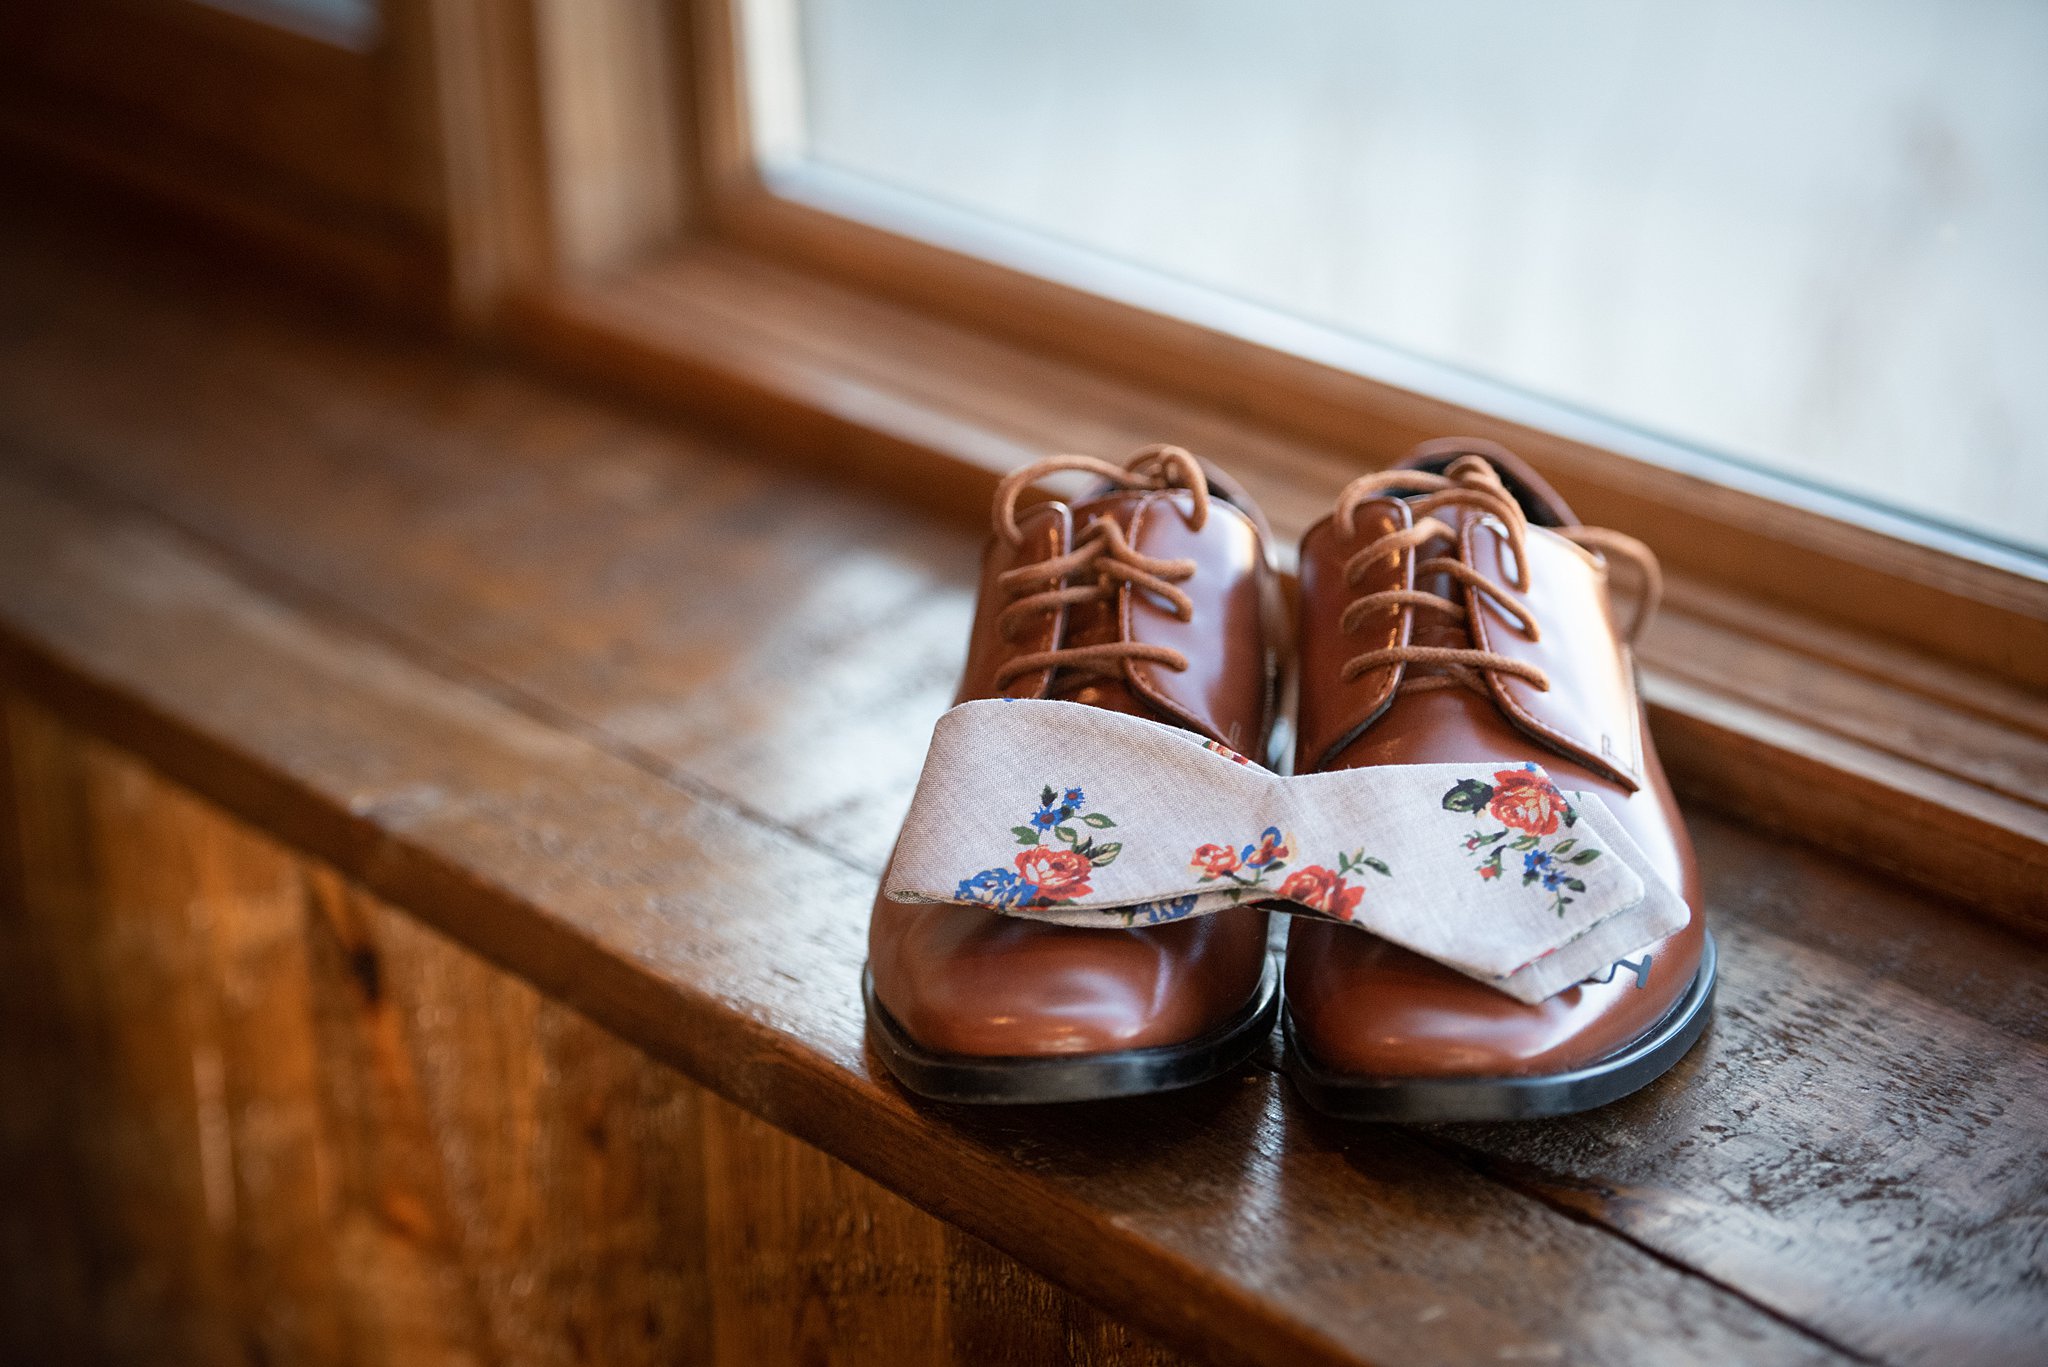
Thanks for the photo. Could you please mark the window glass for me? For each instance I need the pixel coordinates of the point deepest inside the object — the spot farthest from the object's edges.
(1811, 235)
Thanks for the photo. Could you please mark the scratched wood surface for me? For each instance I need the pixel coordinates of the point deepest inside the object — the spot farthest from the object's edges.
(1218, 1219)
(561, 680)
(256, 1115)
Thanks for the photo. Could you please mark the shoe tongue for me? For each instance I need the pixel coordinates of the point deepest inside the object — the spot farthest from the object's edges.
(1098, 623)
(1090, 624)
(1094, 623)
(1433, 627)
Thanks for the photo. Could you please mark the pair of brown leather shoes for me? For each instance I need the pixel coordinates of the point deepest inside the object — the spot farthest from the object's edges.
(1451, 610)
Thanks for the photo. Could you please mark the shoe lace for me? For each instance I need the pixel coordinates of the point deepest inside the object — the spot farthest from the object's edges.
(1101, 561)
(1470, 482)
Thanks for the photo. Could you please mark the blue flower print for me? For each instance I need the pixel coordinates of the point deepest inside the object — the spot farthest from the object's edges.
(1524, 800)
(996, 888)
(1271, 847)
(1055, 861)
(1055, 808)
(1166, 909)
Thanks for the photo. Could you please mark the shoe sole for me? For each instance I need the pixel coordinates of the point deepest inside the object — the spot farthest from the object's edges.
(1037, 1079)
(1426, 1099)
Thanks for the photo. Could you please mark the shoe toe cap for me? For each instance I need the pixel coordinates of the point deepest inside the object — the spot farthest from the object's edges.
(1362, 1006)
(961, 980)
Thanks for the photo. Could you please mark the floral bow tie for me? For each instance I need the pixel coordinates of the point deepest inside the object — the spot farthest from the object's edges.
(1085, 817)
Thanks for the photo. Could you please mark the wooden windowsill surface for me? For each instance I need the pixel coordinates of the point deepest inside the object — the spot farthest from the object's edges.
(633, 713)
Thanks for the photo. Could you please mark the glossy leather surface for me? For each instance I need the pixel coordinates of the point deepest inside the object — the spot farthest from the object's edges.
(1335, 711)
(1047, 532)
(964, 980)
(1590, 711)
(1362, 1005)
(1225, 692)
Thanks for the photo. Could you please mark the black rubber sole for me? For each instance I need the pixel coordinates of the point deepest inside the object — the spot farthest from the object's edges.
(1041, 1079)
(1421, 1100)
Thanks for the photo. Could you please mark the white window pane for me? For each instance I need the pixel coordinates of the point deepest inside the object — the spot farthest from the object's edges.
(1810, 235)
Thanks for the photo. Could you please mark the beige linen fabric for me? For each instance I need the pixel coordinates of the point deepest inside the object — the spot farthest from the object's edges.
(1073, 814)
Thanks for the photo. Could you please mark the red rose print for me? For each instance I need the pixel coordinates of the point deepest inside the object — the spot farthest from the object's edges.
(1528, 802)
(1318, 888)
(1489, 870)
(1214, 860)
(1060, 875)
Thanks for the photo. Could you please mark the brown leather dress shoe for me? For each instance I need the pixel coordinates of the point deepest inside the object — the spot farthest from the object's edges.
(1153, 596)
(1454, 610)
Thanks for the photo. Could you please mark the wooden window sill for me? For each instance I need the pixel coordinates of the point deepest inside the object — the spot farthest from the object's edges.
(633, 714)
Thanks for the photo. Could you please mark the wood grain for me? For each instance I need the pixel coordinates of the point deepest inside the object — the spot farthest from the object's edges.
(294, 146)
(302, 109)
(557, 678)
(300, 1127)
(627, 896)
(1842, 1004)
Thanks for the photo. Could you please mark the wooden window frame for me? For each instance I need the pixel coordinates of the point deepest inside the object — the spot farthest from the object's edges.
(1958, 596)
(299, 139)
(576, 179)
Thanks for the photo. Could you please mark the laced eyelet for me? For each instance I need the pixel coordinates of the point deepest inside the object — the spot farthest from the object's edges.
(1101, 564)
(1476, 486)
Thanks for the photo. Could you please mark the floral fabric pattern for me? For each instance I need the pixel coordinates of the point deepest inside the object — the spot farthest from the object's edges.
(1525, 800)
(1161, 911)
(1246, 866)
(1488, 868)
(1245, 869)
(1217, 748)
(1044, 874)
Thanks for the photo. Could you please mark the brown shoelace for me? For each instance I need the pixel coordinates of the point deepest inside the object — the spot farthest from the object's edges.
(1102, 559)
(1471, 482)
